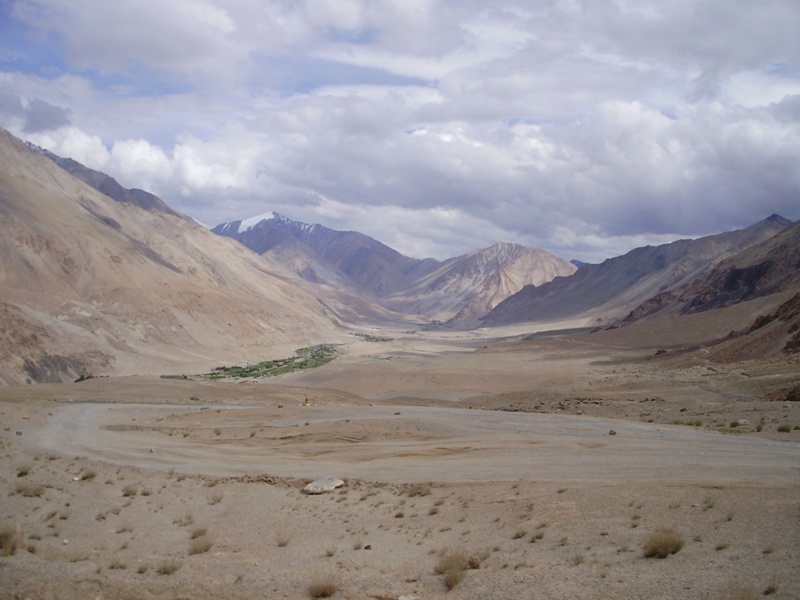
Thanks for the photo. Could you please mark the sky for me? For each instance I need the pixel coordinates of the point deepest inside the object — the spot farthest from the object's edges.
(584, 127)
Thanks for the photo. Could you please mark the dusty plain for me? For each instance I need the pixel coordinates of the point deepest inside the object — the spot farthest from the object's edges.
(546, 460)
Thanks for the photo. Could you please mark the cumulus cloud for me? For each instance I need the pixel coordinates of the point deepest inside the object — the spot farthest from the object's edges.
(436, 126)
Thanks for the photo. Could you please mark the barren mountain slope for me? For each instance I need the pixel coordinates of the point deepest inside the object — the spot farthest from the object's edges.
(769, 270)
(467, 287)
(611, 289)
(107, 184)
(461, 289)
(370, 265)
(89, 285)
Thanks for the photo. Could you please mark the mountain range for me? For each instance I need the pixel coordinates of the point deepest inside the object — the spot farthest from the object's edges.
(96, 278)
(604, 292)
(461, 288)
(92, 285)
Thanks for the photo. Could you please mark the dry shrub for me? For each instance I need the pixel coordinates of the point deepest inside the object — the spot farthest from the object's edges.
(129, 490)
(323, 585)
(10, 539)
(451, 565)
(200, 545)
(661, 543)
(475, 561)
(418, 489)
(452, 578)
(168, 567)
(30, 490)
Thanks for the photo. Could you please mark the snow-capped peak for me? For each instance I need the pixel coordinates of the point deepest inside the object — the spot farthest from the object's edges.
(253, 221)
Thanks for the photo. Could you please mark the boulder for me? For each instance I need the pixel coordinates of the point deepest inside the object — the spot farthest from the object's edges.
(323, 485)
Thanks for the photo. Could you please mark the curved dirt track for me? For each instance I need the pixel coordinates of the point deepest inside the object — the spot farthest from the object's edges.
(407, 444)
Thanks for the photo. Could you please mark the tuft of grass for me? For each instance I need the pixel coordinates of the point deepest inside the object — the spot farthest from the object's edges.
(215, 498)
(451, 566)
(661, 543)
(200, 545)
(475, 561)
(577, 559)
(168, 567)
(785, 427)
(188, 519)
(23, 470)
(129, 490)
(323, 585)
(282, 539)
(29, 490)
(198, 532)
(10, 540)
(418, 489)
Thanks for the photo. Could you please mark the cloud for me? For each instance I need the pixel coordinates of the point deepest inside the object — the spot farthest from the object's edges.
(11, 108)
(33, 117)
(435, 126)
(43, 116)
(71, 142)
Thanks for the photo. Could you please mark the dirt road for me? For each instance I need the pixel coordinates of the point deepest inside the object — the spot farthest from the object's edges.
(391, 444)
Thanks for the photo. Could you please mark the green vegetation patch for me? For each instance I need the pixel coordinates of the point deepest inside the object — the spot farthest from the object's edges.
(372, 338)
(304, 358)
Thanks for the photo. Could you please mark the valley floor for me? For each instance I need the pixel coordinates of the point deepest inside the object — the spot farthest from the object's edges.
(546, 462)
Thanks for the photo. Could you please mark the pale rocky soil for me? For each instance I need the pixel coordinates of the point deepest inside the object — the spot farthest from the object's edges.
(446, 441)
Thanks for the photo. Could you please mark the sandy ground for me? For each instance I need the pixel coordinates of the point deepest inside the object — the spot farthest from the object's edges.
(547, 462)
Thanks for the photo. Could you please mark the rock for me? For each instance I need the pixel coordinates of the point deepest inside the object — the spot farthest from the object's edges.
(322, 485)
(612, 432)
